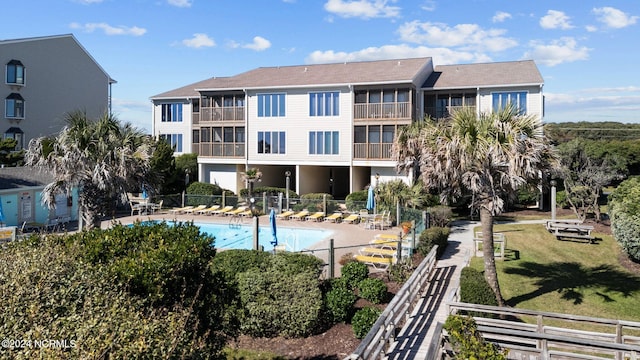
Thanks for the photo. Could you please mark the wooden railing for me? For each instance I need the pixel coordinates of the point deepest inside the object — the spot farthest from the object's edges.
(382, 334)
(225, 113)
(399, 110)
(546, 335)
(219, 149)
(444, 112)
(372, 151)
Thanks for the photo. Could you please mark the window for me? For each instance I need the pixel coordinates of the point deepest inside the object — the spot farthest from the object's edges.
(517, 99)
(324, 103)
(324, 142)
(172, 112)
(16, 134)
(195, 103)
(14, 106)
(271, 142)
(271, 105)
(175, 140)
(195, 137)
(15, 72)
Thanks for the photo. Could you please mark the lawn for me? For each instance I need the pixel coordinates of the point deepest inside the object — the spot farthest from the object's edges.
(572, 277)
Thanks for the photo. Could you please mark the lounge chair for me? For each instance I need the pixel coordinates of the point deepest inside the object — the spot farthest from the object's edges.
(300, 216)
(209, 210)
(376, 262)
(334, 218)
(195, 209)
(372, 251)
(317, 216)
(351, 219)
(237, 210)
(247, 212)
(222, 211)
(285, 215)
(180, 210)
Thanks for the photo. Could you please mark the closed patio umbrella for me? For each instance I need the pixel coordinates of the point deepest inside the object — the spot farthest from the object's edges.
(272, 221)
(371, 200)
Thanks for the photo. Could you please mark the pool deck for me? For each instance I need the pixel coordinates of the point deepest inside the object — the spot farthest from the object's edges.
(347, 238)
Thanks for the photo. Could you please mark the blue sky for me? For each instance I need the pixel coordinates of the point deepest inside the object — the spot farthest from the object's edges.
(587, 51)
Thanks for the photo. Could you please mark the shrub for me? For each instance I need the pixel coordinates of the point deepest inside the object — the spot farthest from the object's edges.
(561, 199)
(373, 290)
(431, 237)
(474, 288)
(354, 272)
(356, 200)
(467, 342)
(339, 302)
(200, 188)
(277, 305)
(363, 320)
(440, 216)
(624, 207)
(401, 271)
(52, 292)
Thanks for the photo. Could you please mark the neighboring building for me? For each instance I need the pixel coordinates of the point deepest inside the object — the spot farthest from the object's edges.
(21, 198)
(44, 78)
(330, 125)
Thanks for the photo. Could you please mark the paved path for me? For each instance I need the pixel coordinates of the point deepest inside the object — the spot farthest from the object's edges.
(414, 339)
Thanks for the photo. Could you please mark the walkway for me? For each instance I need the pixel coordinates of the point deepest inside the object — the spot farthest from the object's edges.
(414, 339)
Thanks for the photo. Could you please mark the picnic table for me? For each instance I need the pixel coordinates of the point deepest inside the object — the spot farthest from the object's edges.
(568, 228)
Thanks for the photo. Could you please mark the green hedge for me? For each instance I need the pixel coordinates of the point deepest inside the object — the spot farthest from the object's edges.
(474, 288)
(624, 210)
(431, 237)
(363, 320)
(353, 272)
(373, 290)
(467, 342)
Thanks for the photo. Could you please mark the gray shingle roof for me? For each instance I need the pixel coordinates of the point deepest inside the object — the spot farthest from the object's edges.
(485, 75)
(19, 177)
(354, 73)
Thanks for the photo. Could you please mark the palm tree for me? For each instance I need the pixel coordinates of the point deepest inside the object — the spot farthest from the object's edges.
(490, 156)
(102, 158)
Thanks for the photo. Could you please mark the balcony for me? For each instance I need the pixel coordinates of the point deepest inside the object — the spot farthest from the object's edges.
(219, 150)
(444, 112)
(365, 151)
(228, 113)
(387, 111)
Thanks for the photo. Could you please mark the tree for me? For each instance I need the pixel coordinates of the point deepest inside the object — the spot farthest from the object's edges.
(103, 159)
(8, 155)
(585, 176)
(490, 156)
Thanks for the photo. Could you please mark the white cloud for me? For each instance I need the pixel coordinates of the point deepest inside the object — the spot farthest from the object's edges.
(614, 18)
(199, 40)
(259, 44)
(596, 104)
(500, 16)
(557, 52)
(464, 36)
(440, 55)
(555, 20)
(428, 5)
(108, 29)
(180, 3)
(365, 9)
(591, 28)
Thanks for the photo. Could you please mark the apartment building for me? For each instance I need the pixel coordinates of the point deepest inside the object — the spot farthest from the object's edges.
(44, 79)
(329, 127)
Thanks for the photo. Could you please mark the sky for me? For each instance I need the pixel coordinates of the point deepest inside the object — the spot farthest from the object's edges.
(587, 51)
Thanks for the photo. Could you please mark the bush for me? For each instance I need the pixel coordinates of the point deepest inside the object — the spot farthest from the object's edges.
(354, 272)
(51, 291)
(200, 188)
(467, 342)
(624, 207)
(363, 320)
(440, 216)
(277, 305)
(401, 271)
(373, 290)
(431, 237)
(356, 200)
(474, 288)
(339, 302)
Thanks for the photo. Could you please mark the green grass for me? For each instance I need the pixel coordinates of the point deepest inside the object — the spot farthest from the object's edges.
(572, 277)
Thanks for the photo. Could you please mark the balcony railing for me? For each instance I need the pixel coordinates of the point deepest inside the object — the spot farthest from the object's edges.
(219, 149)
(444, 112)
(228, 113)
(399, 110)
(372, 151)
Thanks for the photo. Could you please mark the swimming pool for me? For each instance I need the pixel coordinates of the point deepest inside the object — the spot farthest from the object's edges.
(240, 236)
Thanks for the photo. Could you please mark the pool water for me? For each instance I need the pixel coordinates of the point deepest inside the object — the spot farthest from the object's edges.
(241, 236)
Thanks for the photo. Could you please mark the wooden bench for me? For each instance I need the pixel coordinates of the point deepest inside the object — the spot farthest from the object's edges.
(550, 224)
(572, 231)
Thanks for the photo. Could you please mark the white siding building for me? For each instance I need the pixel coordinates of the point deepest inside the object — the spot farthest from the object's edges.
(330, 125)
